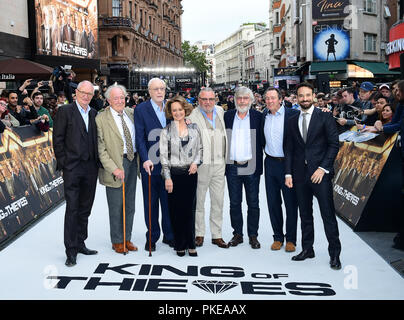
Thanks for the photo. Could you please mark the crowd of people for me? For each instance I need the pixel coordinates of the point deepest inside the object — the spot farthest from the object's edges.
(187, 146)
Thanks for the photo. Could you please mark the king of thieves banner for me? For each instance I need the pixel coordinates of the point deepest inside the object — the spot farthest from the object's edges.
(29, 183)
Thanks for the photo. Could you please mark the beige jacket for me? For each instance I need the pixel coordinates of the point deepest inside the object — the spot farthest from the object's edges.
(110, 147)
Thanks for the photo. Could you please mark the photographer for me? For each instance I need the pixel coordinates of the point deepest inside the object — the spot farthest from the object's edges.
(63, 81)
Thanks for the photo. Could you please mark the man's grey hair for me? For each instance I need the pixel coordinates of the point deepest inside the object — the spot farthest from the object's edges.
(118, 86)
(206, 89)
(155, 79)
(243, 91)
(83, 83)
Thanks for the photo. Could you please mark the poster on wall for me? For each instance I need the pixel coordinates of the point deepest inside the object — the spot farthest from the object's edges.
(330, 41)
(323, 9)
(67, 28)
(29, 183)
(357, 168)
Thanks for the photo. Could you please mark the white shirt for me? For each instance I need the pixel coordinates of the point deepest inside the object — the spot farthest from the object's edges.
(130, 126)
(273, 130)
(240, 149)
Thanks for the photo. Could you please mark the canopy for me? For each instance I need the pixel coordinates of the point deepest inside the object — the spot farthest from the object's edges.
(22, 69)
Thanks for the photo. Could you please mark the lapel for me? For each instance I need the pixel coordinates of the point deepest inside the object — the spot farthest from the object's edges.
(111, 123)
(295, 120)
(152, 115)
(79, 119)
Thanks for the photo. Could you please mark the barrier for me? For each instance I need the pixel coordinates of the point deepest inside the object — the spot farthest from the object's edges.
(29, 184)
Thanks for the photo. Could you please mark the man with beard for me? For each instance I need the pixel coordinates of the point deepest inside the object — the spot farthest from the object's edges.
(41, 111)
(311, 149)
(245, 166)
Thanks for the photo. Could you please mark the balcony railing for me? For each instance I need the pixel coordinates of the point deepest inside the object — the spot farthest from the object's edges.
(117, 22)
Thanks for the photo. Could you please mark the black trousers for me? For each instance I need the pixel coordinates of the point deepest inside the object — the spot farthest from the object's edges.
(181, 205)
(79, 185)
(324, 194)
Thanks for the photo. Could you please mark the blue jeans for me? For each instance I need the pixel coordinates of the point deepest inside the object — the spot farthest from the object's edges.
(251, 186)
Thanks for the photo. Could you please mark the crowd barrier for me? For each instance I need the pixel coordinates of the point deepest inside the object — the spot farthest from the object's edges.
(29, 184)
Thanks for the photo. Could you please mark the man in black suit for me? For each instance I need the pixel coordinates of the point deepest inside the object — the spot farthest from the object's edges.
(311, 149)
(75, 146)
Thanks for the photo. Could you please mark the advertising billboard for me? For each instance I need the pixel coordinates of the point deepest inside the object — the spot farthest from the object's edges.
(330, 41)
(67, 28)
(326, 9)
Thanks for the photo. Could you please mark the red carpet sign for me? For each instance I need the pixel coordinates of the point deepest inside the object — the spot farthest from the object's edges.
(357, 168)
(29, 184)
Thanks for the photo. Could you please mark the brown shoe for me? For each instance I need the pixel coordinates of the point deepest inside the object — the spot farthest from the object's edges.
(290, 247)
(199, 241)
(277, 245)
(220, 243)
(130, 246)
(118, 247)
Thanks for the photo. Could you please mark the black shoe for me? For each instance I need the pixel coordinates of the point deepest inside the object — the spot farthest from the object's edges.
(304, 255)
(153, 247)
(236, 240)
(86, 251)
(335, 263)
(254, 243)
(181, 253)
(398, 246)
(169, 242)
(193, 254)
(70, 261)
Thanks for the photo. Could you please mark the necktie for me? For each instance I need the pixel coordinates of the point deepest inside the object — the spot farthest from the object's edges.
(128, 139)
(304, 126)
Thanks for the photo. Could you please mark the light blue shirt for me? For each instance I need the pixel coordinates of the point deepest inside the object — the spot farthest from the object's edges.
(241, 139)
(84, 113)
(161, 115)
(213, 121)
(273, 130)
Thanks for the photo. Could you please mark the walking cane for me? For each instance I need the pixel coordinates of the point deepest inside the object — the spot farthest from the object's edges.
(124, 218)
(150, 254)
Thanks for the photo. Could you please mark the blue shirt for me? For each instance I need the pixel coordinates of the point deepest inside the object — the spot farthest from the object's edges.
(213, 121)
(273, 130)
(84, 114)
(161, 115)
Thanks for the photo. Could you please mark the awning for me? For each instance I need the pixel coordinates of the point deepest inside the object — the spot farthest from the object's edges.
(22, 69)
(377, 68)
(330, 67)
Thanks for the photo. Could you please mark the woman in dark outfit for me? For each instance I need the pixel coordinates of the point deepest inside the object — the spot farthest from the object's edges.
(180, 155)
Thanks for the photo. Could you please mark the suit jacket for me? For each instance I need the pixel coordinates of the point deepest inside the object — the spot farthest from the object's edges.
(289, 112)
(256, 148)
(68, 133)
(197, 117)
(146, 121)
(320, 149)
(67, 34)
(110, 147)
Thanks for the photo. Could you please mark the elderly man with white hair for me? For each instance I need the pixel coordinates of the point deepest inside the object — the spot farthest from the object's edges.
(244, 165)
(150, 119)
(117, 152)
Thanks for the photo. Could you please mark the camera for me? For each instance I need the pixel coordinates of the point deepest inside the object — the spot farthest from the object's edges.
(61, 71)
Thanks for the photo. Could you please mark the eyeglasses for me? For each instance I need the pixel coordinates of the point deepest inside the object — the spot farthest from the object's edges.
(207, 99)
(88, 94)
(242, 98)
(158, 89)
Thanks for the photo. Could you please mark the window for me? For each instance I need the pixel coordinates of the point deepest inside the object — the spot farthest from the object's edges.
(150, 23)
(370, 42)
(117, 8)
(141, 17)
(115, 46)
(130, 9)
(135, 11)
(369, 6)
(277, 21)
(278, 44)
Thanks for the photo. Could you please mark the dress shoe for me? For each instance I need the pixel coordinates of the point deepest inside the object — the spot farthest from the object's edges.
(220, 243)
(169, 242)
(290, 247)
(86, 251)
(193, 253)
(304, 255)
(254, 243)
(70, 261)
(118, 247)
(153, 247)
(236, 240)
(181, 253)
(130, 246)
(335, 263)
(199, 241)
(277, 245)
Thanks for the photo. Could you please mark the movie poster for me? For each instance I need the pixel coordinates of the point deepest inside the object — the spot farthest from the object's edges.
(67, 28)
(330, 41)
(29, 182)
(357, 169)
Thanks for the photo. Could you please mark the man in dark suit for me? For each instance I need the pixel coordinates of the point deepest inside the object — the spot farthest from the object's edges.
(75, 147)
(67, 31)
(311, 148)
(150, 119)
(244, 166)
(274, 133)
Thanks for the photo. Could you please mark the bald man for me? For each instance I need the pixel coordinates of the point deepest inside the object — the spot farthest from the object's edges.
(76, 151)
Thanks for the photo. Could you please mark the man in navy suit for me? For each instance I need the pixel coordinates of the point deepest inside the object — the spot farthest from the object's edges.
(244, 166)
(274, 129)
(150, 119)
(311, 148)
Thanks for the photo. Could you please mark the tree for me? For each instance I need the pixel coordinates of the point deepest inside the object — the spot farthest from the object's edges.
(195, 58)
